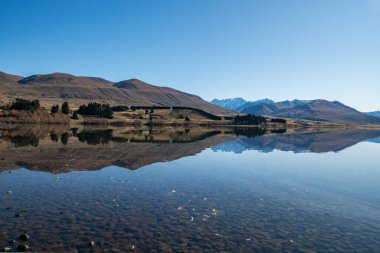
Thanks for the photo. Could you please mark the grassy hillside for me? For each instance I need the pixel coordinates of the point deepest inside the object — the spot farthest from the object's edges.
(77, 90)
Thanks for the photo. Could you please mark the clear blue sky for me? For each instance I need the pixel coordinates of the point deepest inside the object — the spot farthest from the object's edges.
(280, 49)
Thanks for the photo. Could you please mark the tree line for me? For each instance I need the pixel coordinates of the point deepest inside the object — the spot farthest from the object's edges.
(20, 104)
(249, 119)
(106, 111)
(96, 109)
(64, 108)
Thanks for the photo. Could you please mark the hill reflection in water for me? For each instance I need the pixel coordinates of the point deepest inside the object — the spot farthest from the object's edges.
(314, 142)
(59, 149)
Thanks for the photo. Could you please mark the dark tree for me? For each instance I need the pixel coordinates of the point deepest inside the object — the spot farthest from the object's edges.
(54, 137)
(95, 109)
(23, 141)
(26, 105)
(75, 115)
(278, 131)
(120, 108)
(96, 137)
(65, 108)
(250, 119)
(250, 132)
(54, 109)
(64, 138)
(278, 120)
(74, 131)
(106, 111)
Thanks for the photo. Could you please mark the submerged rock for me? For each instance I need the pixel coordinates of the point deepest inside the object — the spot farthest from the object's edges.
(24, 237)
(6, 249)
(165, 247)
(91, 243)
(131, 247)
(22, 247)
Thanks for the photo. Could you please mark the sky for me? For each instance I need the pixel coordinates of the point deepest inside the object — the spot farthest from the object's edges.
(277, 49)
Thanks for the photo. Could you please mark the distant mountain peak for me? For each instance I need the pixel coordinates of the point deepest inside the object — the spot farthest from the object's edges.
(317, 110)
(229, 103)
(231, 99)
(374, 114)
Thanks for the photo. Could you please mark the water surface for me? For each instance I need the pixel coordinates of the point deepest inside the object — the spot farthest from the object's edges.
(181, 190)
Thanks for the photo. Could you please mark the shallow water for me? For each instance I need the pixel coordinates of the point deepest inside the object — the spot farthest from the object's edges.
(209, 192)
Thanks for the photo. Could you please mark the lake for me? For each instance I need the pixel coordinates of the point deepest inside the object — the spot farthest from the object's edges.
(190, 190)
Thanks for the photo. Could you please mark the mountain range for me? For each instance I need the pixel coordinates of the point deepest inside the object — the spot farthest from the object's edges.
(230, 103)
(56, 88)
(374, 114)
(314, 142)
(316, 110)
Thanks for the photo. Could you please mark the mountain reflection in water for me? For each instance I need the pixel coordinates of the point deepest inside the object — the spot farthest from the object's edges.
(314, 142)
(58, 149)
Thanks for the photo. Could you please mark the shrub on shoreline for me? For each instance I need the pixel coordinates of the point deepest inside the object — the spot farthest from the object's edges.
(39, 116)
(96, 109)
(25, 105)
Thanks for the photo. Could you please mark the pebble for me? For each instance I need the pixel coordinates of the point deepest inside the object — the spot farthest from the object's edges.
(91, 243)
(12, 241)
(6, 249)
(131, 247)
(2, 232)
(164, 247)
(22, 247)
(24, 237)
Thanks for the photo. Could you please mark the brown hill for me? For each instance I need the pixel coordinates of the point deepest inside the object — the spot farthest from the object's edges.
(322, 110)
(317, 110)
(77, 90)
(4, 77)
(315, 142)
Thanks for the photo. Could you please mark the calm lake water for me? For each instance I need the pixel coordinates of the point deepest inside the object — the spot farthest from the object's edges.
(186, 190)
